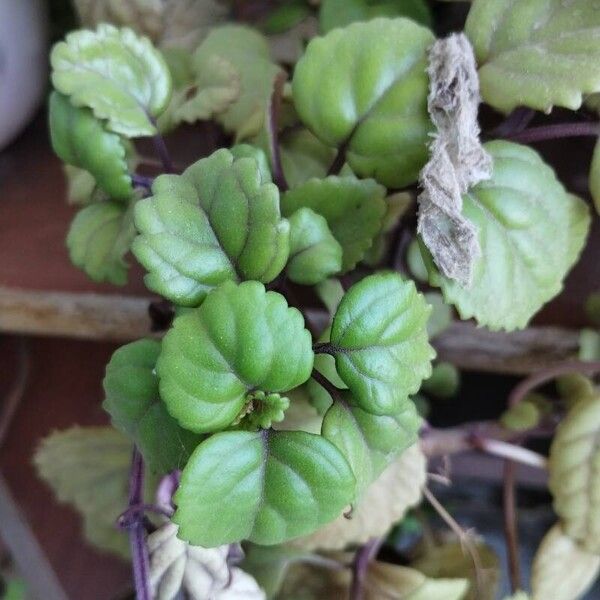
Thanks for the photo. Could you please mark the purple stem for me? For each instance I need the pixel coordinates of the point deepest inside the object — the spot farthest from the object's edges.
(132, 515)
(514, 123)
(163, 153)
(362, 559)
(139, 551)
(141, 180)
(166, 488)
(554, 132)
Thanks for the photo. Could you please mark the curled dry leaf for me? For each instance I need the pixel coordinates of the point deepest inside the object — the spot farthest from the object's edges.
(458, 160)
(203, 573)
(384, 503)
(562, 570)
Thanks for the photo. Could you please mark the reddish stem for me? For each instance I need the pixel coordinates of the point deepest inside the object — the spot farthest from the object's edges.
(555, 132)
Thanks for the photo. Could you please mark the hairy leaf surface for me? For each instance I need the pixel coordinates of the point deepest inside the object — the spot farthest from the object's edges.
(536, 54)
(364, 87)
(116, 73)
(99, 237)
(531, 232)
(240, 340)
(217, 221)
(575, 473)
(266, 487)
(353, 209)
(134, 404)
(315, 254)
(379, 338)
(561, 569)
(79, 139)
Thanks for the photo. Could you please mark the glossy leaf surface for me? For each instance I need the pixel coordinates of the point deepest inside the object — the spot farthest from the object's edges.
(240, 340)
(116, 73)
(266, 487)
(379, 338)
(353, 209)
(217, 221)
(133, 402)
(315, 254)
(79, 139)
(365, 87)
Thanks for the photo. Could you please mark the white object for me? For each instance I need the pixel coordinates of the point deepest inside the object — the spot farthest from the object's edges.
(23, 63)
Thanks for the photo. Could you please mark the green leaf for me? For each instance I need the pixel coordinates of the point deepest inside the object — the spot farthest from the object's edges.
(574, 476)
(315, 254)
(365, 88)
(443, 382)
(384, 503)
(287, 15)
(562, 570)
(415, 263)
(379, 339)
(330, 292)
(441, 314)
(217, 221)
(133, 402)
(353, 209)
(247, 51)
(367, 441)
(117, 74)
(266, 487)
(595, 177)
(531, 232)
(240, 340)
(589, 345)
(89, 468)
(524, 415)
(303, 156)
(249, 151)
(99, 237)
(79, 139)
(81, 186)
(339, 13)
(537, 54)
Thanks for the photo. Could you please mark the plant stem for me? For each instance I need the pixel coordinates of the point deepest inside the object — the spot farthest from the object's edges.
(339, 160)
(167, 487)
(464, 537)
(363, 557)
(273, 133)
(511, 451)
(555, 132)
(511, 533)
(135, 512)
(139, 551)
(333, 391)
(163, 153)
(516, 121)
(12, 400)
(141, 180)
(324, 348)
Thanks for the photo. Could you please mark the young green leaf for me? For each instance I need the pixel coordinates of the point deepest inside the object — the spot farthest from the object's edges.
(315, 254)
(384, 503)
(524, 415)
(531, 232)
(133, 402)
(89, 468)
(574, 474)
(303, 156)
(562, 570)
(379, 339)
(330, 292)
(537, 55)
(81, 186)
(441, 314)
(367, 441)
(217, 221)
(116, 73)
(266, 487)
(79, 139)
(353, 209)
(240, 340)
(339, 13)
(364, 88)
(99, 237)
(246, 51)
(443, 382)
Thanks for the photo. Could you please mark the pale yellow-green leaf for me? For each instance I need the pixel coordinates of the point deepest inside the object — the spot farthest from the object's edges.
(300, 415)
(384, 503)
(521, 417)
(562, 570)
(88, 467)
(519, 596)
(451, 560)
(574, 473)
(574, 387)
(81, 185)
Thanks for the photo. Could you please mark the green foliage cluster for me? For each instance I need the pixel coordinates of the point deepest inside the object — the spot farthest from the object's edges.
(311, 190)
